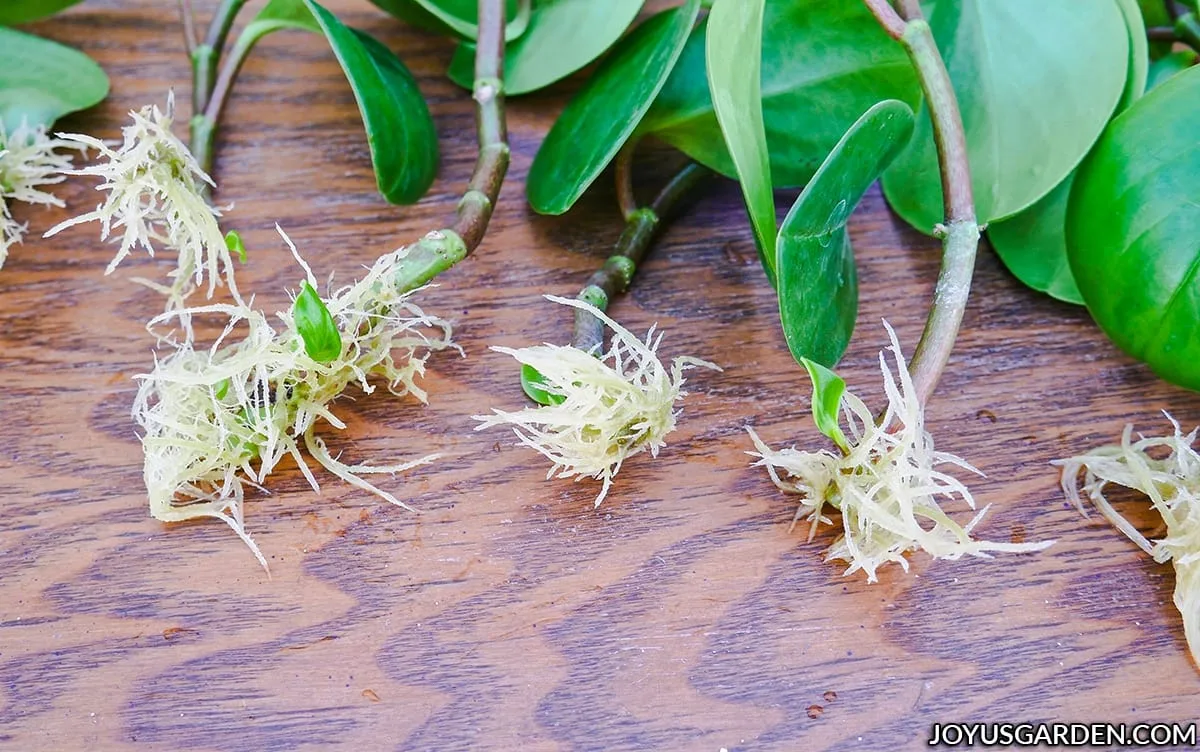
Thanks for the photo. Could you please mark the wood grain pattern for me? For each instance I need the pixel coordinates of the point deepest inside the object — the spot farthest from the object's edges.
(508, 613)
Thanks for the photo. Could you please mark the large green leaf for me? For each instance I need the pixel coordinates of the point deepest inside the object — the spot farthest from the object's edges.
(734, 62)
(1033, 245)
(818, 286)
(455, 17)
(563, 36)
(13, 12)
(1033, 242)
(824, 63)
(400, 131)
(1131, 230)
(40, 80)
(1036, 82)
(601, 117)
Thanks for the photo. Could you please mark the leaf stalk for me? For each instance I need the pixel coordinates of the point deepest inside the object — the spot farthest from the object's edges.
(960, 234)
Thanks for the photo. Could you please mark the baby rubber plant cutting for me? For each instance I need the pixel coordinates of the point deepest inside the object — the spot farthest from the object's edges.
(218, 419)
(40, 81)
(598, 407)
(883, 478)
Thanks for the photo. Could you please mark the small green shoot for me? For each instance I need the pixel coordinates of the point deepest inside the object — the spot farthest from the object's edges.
(533, 384)
(828, 389)
(315, 325)
(234, 243)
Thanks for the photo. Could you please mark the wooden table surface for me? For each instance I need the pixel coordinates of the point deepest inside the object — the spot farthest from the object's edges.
(508, 613)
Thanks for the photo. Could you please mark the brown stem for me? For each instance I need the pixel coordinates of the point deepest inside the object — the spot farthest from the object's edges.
(887, 17)
(483, 190)
(641, 228)
(960, 234)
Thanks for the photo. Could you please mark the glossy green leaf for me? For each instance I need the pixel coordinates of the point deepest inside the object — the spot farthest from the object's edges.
(1033, 245)
(455, 17)
(824, 63)
(1169, 65)
(233, 242)
(534, 386)
(733, 58)
(818, 285)
(563, 36)
(40, 80)
(828, 389)
(13, 12)
(602, 116)
(315, 325)
(1139, 53)
(1131, 230)
(1036, 82)
(400, 131)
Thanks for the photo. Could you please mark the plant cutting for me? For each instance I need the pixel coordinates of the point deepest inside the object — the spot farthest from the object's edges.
(883, 477)
(218, 419)
(597, 407)
(40, 81)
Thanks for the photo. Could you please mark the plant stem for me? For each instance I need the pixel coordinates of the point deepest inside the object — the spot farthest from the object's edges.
(189, 26)
(960, 234)
(641, 228)
(483, 190)
(1187, 30)
(206, 55)
(623, 171)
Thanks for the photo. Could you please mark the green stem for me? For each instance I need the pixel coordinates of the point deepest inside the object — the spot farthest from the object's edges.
(960, 234)
(204, 124)
(207, 55)
(641, 228)
(1187, 30)
(483, 191)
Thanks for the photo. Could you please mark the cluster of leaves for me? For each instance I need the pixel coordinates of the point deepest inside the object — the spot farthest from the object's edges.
(1083, 183)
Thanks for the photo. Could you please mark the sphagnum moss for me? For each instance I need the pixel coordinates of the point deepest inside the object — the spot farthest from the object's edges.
(217, 419)
(613, 405)
(29, 160)
(1167, 470)
(156, 196)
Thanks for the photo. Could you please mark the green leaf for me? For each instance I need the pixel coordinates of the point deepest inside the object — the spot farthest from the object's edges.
(828, 389)
(400, 131)
(563, 36)
(40, 80)
(1139, 54)
(455, 17)
(234, 243)
(1033, 245)
(602, 116)
(733, 58)
(1165, 67)
(824, 63)
(1036, 82)
(1131, 230)
(315, 325)
(818, 285)
(534, 386)
(13, 12)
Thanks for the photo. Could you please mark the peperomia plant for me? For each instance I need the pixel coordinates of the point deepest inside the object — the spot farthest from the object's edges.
(40, 81)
